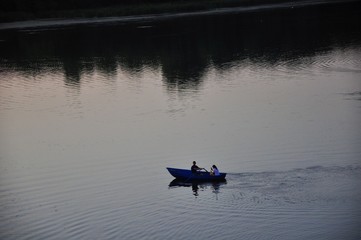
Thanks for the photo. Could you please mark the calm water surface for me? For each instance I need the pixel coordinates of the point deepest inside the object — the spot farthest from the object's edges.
(91, 116)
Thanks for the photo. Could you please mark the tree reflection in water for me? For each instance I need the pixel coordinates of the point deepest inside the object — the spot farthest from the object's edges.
(182, 49)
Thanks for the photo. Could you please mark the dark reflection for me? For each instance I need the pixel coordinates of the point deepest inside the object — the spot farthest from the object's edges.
(183, 48)
(196, 186)
(72, 72)
(353, 96)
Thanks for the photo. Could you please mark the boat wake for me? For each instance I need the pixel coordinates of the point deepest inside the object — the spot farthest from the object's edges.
(310, 185)
(313, 185)
(295, 204)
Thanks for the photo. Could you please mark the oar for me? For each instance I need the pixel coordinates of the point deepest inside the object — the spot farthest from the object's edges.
(187, 179)
(192, 174)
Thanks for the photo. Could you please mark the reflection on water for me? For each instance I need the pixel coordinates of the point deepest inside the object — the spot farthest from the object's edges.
(91, 115)
(214, 187)
(183, 49)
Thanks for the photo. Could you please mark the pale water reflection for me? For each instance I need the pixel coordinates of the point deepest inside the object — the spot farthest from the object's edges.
(92, 115)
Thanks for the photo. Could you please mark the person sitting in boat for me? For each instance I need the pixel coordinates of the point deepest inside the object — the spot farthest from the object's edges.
(195, 168)
(214, 171)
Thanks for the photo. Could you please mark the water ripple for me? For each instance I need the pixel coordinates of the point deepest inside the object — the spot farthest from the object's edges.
(102, 209)
(347, 60)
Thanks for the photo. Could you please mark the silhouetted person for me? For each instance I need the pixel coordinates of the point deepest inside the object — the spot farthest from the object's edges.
(195, 168)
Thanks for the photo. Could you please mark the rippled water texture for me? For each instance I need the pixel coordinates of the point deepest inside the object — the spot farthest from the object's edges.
(91, 116)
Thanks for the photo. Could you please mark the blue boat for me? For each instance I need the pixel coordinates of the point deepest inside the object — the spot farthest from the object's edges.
(187, 175)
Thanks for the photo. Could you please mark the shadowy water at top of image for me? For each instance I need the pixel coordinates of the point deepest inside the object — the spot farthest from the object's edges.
(183, 49)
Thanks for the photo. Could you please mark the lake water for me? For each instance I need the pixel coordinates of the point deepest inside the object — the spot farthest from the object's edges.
(92, 114)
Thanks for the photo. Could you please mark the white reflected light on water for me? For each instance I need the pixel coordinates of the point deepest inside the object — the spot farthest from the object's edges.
(84, 152)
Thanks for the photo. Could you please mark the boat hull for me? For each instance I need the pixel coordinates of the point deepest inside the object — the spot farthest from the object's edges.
(187, 175)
